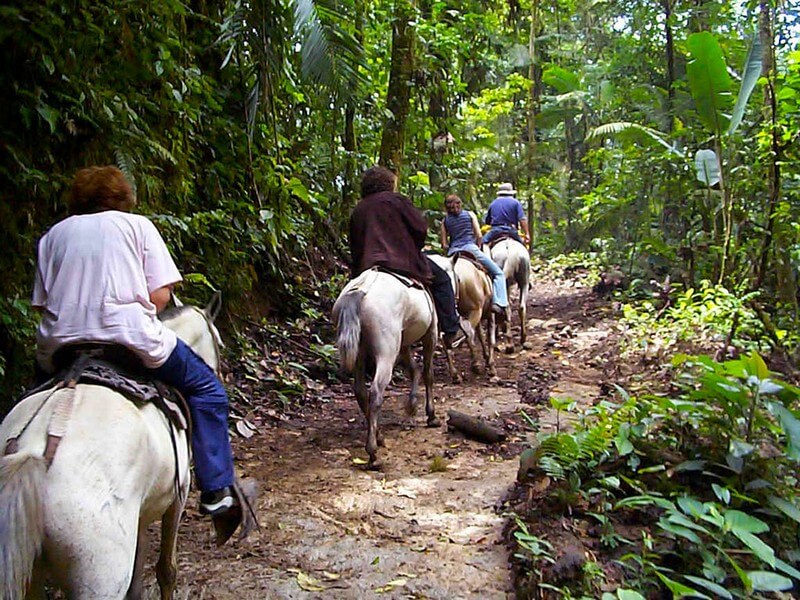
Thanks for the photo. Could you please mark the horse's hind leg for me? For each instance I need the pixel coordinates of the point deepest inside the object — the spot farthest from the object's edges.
(104, 567)
(383, 375)
(523, 311)
(361, 391)
(136, 588)
(428, 344)
(167, 566)
(412, 371)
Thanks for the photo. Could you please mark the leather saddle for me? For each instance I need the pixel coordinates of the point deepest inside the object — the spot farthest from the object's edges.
(464, 255)
(117, 368)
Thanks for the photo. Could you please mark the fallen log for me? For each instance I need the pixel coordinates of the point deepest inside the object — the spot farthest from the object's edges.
(474, 428)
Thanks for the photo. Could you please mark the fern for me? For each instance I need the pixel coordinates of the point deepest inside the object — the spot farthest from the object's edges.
(561, 454)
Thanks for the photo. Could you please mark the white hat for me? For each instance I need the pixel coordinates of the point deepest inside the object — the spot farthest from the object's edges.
(506, 189)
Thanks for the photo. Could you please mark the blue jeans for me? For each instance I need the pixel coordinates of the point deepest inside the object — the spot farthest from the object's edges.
(208, 405)
(499, 292)
(498, 230)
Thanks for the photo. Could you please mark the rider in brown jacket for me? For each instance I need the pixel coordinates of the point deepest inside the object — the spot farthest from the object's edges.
(387, 230)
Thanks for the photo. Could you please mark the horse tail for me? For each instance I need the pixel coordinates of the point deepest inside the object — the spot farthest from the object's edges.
(21, 520)
(349, 328)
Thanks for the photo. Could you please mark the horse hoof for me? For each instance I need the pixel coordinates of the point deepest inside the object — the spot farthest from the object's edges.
(527, 345)
(476, 369)
(375, 464)
(510, 349)
(434, 422)
(381, 442)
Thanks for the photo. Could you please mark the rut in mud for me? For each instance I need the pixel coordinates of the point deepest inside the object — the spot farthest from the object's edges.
(431, 523)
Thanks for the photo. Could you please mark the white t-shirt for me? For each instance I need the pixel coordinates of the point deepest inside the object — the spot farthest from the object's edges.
(94, 276)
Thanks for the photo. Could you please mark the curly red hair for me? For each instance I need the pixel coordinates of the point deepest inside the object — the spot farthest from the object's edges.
(95, 189)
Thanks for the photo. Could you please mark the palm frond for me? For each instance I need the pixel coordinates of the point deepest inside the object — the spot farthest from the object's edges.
(611, 129)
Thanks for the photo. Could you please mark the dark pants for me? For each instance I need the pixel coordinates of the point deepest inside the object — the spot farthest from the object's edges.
(208, 404)
(444, 299)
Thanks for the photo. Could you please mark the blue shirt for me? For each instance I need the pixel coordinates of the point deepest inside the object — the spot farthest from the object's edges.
(459, 228)
(505, 210)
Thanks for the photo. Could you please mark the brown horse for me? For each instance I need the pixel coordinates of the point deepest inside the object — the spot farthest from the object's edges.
(474, 298)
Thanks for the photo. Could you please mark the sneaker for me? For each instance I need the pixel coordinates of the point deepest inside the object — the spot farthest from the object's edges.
(453, 339)
(218, 501)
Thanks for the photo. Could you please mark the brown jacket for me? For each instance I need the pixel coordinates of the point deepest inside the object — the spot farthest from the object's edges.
(387, 230)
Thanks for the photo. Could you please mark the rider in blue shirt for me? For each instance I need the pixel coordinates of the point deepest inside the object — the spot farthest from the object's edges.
(460, 229)
(506, 215)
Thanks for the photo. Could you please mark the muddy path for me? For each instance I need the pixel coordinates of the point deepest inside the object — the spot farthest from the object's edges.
(431, 523)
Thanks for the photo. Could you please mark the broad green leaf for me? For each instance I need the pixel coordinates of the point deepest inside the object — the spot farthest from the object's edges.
(49, 114)
(680, 519)
(787, 568)
(724, 494)
(629, 595)
(691, 506)
(752, 71)
(791, 427)
(757, 366)
(708, 80)
(683, 532)
(737, 520)
(678, 589)
(766, 581)
(759, 548)
(786, 507)
(710, 586)
(562, 80)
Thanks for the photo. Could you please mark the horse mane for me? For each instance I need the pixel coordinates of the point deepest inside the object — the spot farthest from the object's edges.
(175, 311)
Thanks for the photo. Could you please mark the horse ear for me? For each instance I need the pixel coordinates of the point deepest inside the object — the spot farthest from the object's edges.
(176, 301)
(214, 306)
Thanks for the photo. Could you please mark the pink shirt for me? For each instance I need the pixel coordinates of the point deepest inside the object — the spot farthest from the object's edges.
(93, 279)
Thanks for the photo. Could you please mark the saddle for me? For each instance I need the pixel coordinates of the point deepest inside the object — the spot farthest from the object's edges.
(404, 279)
(464, 255)
(500, 238)
(119, 369)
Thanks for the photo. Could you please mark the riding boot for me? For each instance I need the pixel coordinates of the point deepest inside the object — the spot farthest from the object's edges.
(444, 299)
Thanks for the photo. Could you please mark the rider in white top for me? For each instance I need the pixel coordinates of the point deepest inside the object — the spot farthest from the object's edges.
(112, 302)
(102, 276)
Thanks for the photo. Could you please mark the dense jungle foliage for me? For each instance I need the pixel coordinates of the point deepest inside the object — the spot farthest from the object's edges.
(660, 135)
(656, 138)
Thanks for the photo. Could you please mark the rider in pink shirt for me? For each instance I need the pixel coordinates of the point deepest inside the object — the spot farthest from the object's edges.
(103, 275)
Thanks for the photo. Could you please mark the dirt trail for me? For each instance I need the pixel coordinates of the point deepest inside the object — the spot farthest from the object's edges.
(331, 529)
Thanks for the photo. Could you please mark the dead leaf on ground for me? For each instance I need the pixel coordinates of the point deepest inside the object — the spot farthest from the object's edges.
(389, 587)
(245, 428)
(309, 583)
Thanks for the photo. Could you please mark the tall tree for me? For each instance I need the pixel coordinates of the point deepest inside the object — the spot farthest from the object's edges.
(398, 94)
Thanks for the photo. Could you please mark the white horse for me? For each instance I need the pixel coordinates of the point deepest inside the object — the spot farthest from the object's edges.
(474, 299)
(119, 467)
(513, 258)
(378, 318)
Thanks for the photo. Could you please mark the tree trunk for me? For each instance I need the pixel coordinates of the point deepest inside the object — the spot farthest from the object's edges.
(349, 188)
(400, 80)
(534, 74)
(773, 168)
